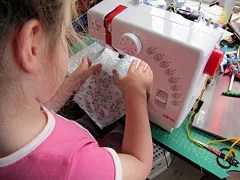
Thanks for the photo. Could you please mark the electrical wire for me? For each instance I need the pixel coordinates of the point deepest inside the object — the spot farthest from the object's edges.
(192, 114)
(164, 153)
(168, 165)
(231, 149)
(235, 139)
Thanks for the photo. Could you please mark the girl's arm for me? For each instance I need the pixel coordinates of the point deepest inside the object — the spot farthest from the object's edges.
(137, 148)
(72, 83)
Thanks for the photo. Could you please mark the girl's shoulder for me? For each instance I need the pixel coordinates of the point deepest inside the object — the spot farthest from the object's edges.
(66, 136)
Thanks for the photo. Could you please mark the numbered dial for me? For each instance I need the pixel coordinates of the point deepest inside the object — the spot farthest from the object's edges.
(130, 44)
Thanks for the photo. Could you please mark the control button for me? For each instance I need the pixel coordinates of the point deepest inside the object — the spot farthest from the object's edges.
(158, 56)
(151, 50)
(176, 95)
(173, 80)
(170, 72)
(161, 96)
(130, 44)
(165, 64)
(175, 87)
(176, 102)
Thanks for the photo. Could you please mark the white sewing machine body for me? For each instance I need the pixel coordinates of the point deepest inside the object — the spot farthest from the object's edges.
(176, 49)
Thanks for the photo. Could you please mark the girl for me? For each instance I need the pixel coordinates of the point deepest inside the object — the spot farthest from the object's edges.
(36, 143)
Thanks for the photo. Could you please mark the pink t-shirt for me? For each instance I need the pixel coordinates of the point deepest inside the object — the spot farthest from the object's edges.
(63, 150)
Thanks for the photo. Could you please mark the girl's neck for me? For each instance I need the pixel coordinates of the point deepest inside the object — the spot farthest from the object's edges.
(19, 125)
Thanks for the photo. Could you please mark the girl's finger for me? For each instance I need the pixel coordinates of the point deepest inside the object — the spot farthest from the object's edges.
(115, 73)
(84, 60)
(89, 61)
(146, 68)
(150, 72)
(141, 66)
(95, 68)
(133, 65)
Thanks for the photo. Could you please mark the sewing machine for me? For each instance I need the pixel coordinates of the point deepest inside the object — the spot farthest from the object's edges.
(180, 52)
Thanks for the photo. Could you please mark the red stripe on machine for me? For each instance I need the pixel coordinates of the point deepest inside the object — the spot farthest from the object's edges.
(108, 20)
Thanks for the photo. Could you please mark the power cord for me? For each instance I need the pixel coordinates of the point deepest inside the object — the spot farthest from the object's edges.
(168, 165)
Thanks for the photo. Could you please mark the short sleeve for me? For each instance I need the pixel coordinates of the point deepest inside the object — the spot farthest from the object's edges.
(92, 162)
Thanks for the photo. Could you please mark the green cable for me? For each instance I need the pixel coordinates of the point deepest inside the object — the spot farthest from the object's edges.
(230, 93)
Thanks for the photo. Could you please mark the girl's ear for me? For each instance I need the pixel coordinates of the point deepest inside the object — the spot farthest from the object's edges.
(28, 45)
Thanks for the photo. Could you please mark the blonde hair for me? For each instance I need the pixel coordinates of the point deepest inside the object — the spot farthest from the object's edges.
(53, 15)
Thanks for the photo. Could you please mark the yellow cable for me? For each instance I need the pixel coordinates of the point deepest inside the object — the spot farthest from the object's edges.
(192, 113)
(221, 140)
(236, 139)
(231, 150)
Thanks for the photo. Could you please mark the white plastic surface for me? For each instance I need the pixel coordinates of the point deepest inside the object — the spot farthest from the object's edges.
(176, 49)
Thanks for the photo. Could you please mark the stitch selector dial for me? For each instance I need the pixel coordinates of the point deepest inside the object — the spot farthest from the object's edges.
(130, 44)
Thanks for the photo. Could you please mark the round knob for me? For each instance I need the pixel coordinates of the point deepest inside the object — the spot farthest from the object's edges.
(130, 44)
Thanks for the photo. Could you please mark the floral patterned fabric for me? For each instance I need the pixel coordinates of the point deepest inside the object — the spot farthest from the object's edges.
(99, 96)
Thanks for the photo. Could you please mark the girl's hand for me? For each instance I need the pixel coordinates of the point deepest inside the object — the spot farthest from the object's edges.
(72, 83)
(84, 70)
(138, 78)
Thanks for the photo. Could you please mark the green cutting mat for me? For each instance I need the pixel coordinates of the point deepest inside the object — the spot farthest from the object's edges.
(177, 141)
